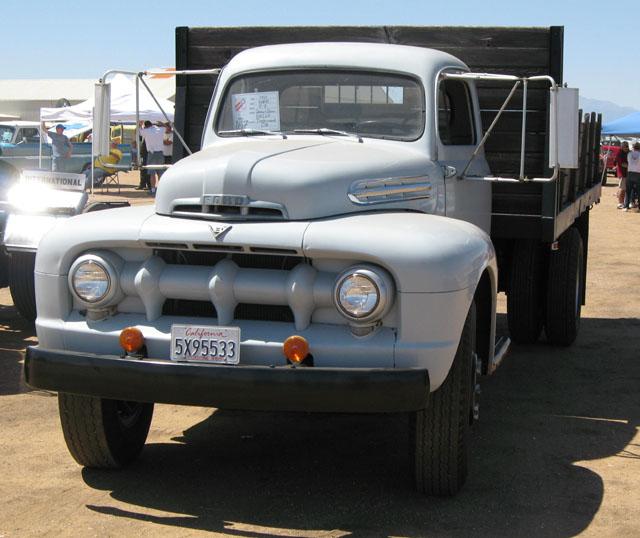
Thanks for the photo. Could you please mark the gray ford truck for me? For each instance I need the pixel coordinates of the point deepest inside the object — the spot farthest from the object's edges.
(336, 245)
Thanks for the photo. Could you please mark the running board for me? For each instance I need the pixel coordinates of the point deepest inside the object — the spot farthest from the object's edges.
(500, 352)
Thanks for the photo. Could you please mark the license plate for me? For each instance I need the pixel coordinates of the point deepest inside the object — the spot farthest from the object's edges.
(220, 345)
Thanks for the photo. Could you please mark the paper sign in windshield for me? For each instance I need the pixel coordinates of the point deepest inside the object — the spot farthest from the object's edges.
(55, 180)
(257, 110)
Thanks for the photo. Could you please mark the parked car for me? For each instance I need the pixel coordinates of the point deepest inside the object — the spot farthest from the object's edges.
(610, 153)
(20, 149)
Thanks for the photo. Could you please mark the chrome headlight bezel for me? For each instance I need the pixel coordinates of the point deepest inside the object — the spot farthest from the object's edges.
(381, 281)
(108, 267)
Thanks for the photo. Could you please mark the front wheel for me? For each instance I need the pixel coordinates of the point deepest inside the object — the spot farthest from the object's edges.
(21, 283)
(440, 434)
(101, 433)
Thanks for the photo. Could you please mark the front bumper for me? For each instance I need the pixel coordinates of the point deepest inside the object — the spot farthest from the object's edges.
(262, 388)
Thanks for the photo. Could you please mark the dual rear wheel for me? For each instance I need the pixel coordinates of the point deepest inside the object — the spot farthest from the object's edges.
(546, 290)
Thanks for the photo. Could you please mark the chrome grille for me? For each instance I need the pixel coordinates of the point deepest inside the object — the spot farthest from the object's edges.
(228, 286)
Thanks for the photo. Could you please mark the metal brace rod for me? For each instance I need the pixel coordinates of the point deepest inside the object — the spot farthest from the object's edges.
(493, 123)
(184, 72)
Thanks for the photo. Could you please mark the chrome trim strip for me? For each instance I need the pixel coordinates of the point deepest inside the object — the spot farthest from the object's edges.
(379, 191)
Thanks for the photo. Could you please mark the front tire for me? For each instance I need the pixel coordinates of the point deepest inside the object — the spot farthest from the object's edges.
(101, 433)
(441, 432)
(21, 283)
(4, 269)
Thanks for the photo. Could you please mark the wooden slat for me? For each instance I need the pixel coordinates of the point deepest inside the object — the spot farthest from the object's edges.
(264, 35)
(510, 142)
(508, 163)
(490, 59)
(493, 99)
(200, 94)
(489, 37)
(495, 58)
(182, 93)
(512, 121)
(556, 53)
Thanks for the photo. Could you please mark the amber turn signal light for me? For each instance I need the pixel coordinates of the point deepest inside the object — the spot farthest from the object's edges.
(131, 339)
(296, 349)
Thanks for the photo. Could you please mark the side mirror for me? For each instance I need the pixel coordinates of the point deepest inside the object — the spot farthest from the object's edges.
(564, 123)
(102, 119)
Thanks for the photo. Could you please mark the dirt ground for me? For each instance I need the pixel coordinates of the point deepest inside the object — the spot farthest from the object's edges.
(556, 452)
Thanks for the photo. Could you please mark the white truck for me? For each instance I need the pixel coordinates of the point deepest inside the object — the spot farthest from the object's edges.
(328, 249)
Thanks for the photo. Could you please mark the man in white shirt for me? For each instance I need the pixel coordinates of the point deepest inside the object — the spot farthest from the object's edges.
(633, 177)
(168, 144)
(153, 138)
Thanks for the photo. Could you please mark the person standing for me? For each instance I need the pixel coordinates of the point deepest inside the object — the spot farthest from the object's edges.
(144, 173)
(61, 148)
(153, 137)
(633, 177)
(167, 146)
(621, 165)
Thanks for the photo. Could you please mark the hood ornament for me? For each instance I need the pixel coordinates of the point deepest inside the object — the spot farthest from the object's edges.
(219, 229)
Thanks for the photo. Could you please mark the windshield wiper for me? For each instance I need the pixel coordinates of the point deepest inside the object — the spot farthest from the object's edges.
(251, 132)
(326, 131)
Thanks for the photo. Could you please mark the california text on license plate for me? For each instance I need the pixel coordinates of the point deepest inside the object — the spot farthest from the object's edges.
(204, 343)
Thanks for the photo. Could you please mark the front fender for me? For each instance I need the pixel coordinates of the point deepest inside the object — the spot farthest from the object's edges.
(437, 263)
(424, 253)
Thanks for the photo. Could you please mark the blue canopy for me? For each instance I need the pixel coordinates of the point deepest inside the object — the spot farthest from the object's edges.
(629, 126)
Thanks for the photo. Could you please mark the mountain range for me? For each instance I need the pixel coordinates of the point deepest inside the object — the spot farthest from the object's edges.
(610, 111)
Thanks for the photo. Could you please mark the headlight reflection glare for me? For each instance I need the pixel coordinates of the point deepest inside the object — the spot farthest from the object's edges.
(91, 281)
(358, 295)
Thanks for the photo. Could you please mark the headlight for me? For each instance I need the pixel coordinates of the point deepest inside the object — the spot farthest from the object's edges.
(364, 294)
(91, 281)
(94, 279)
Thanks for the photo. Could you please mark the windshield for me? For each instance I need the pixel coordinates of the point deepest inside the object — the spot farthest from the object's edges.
(6, 133)
(377, 105)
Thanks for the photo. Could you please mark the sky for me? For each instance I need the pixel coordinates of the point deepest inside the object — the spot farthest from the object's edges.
(83, 39)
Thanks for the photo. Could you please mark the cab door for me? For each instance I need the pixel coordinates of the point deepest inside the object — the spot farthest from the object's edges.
(458, 133)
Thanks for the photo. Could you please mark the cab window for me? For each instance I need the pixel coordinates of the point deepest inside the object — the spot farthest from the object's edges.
(455, 117)
(29, 135)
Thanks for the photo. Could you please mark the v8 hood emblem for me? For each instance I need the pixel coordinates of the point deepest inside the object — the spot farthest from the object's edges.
(219, 229)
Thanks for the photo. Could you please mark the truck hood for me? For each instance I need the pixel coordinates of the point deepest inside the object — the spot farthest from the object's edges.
(301, 177)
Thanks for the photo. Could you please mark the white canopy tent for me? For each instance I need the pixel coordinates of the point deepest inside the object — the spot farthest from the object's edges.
(123, 100)
(123, 105)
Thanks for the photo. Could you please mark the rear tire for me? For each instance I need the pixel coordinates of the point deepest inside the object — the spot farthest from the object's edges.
(564, 289)
(525, 296)
(103, 434)
(21, 283)
(440, 434)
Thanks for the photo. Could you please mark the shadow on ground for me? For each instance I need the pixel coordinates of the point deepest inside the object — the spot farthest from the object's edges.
(250, 474)
(17, 333)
